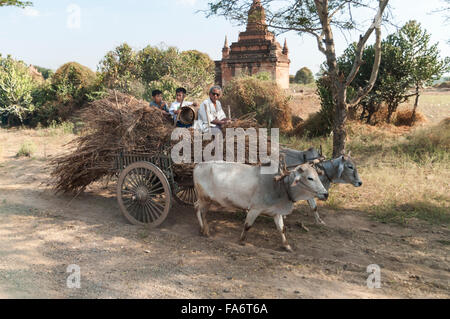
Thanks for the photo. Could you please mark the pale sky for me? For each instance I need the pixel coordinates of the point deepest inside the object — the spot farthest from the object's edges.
(50, 33)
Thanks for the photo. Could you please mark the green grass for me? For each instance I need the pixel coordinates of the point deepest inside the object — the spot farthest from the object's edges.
(401, 213)
(27, 149)
(56, 129)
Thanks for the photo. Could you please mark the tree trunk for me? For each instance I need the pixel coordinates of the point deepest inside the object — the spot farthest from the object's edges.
(390, 112)
(340, 120)
(416, 105)
(338, 86)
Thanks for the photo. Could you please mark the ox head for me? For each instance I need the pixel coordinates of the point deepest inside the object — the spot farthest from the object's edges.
(347, 172)
(304, 183)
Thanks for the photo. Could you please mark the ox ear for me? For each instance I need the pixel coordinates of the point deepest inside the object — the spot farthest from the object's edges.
(299, 169)
(320, 171)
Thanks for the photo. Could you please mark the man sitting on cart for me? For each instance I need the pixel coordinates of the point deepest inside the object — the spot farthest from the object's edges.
(211, 116)
(158, 101)
(175, 108)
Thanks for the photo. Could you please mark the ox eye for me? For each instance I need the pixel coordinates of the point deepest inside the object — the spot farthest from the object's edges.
(310, 179)
(351, 167)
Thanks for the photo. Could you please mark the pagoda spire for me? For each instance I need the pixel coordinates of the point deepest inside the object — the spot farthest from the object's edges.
(285, 48)
(226, 49)
(256, 17)
(225, 45)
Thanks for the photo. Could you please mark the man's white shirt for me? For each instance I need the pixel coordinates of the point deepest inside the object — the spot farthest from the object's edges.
(208, 113)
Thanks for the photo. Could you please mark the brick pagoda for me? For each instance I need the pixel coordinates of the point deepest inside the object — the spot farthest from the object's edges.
(256, 51)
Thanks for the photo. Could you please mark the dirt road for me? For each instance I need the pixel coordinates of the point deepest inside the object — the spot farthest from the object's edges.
(42, 234)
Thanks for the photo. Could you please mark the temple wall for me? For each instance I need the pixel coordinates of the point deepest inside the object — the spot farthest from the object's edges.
(282, 75)
(279, 72)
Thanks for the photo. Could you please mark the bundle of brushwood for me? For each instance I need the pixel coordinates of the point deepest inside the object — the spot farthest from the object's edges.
(118, 123)
(246, 122)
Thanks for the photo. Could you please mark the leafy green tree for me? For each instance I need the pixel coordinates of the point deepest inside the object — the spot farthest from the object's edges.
(409, 61)
(391, 85)
(424, 57)
(16, 86)
(195, 72)
(304, 76)
(157, 62)
(120, 69)
(159, 68)
(319, 19)
(15, 3)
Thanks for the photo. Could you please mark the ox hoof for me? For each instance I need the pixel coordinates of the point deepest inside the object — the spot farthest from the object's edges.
(204, 233)
(320, 222)
(288, 248)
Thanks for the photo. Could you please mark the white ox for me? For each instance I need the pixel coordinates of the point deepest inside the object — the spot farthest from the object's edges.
(235, 187)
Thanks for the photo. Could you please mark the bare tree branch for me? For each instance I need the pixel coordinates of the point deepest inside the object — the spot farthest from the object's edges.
(376, 25)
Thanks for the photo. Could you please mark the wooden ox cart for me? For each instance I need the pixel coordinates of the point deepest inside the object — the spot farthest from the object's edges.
(147, 186)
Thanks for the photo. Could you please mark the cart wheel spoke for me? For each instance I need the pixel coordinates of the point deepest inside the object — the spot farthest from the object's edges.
(186, 195)
(144, 194)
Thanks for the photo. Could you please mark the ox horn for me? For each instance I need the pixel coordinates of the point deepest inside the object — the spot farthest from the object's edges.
(283, 169)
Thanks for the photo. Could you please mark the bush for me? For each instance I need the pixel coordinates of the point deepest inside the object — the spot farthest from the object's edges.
(265, 99)
(304, 76)
(404, 118)
(16, 87)
(72, 82)
(66, 91)
(26, 149)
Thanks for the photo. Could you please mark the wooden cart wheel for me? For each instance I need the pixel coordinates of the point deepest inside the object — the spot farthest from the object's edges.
(186, 195)
(144, 194)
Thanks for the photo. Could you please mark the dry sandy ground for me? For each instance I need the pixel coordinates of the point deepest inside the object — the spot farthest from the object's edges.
(41, 234)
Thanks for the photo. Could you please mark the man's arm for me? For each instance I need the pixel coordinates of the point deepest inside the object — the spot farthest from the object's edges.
(221, 117)
(203, 115)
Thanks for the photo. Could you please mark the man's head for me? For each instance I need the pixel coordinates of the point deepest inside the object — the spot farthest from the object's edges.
(157, 96)
(214, 93)
(181, 94)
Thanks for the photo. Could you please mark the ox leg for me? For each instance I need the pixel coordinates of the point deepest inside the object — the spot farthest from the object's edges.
(282, 229)
(251, 217)
(202, 210)
(313, 204)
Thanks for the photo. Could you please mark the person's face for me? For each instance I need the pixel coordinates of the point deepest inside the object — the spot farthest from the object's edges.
(158, 98)
(180, 96)
(215, 95)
